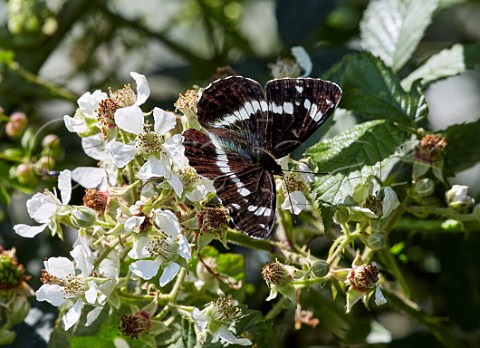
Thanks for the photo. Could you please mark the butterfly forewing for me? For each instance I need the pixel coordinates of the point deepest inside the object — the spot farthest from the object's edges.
(298, 107)
(236, 103)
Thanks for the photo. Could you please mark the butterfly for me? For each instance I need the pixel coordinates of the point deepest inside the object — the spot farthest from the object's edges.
(247, 130)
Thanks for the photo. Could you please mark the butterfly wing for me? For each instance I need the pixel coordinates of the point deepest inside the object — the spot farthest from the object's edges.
(298, 107)
(246, 189)
(238, 104)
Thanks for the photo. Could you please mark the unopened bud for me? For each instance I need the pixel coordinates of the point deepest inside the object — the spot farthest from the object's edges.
(320, 268)
(376, 241)
(341, 215)
(458, 199)
(424, 187)
(83, 217)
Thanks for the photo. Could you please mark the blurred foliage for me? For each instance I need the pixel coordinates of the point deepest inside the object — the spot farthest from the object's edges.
(53, 51)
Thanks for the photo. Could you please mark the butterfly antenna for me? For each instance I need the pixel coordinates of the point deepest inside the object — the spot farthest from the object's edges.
(306, 172)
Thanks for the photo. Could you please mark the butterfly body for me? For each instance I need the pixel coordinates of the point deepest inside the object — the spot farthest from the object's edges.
(248, 130)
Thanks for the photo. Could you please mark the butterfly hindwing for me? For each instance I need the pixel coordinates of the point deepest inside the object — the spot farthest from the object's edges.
(246, 189)
(238, 104)
(298, 107)
(249, 197)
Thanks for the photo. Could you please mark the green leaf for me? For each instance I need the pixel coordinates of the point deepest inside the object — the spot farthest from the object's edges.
(188, 339)
(364, 150)
(254, 326)
(461, 156)
(448, 62)
(232, 265)
(392, 29)
(371, 89)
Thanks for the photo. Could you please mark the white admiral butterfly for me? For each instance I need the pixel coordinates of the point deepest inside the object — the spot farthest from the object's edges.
(248, 130)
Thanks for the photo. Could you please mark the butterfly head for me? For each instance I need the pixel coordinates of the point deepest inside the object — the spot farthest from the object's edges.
(267, 161)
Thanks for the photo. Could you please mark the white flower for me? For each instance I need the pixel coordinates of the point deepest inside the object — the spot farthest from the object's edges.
(46, 208)
(200, 190)
(212, 321)
(458, 198)
(296, 201)
(168, 249)
(88, 104)
(130, 118)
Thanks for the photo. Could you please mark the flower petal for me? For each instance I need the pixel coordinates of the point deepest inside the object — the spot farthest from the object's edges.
(121, 153)
(140, 249)
(65, 185)
(89, 177)
(91, 293)
(52, 293)
(167, 221)
(59, 267)
(390, 202)
(379, 298)
(130, 119)
(303, 60)
(295, 202)
(89, 102)
(145, 269)
(200, 319)
(143, 90)
(73, 315)
(175, 182)
(75, 125)
(42, 207)
(229, 337)
(26, 231)
(152, 168)
(169, 273)
(175, 150)
(95, 147)
(183, 247)
(134, 223)
(197, 194)
(93, 315)
(164, 121)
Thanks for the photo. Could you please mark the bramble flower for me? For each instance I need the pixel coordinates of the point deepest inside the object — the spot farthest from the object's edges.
(86, 115)
(297, 184)
(62, 283)
(218, 319)
(169, 249)
(374, 206)
(458, 199)
(47, 209)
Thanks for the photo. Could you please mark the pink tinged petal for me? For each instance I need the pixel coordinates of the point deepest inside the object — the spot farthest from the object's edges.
(145, 269)
(26, 231)
(73, 315)
(121, 153)
(95, 147)
(89, 177)
(52, 293)
(130, 119)
(75, 125)
(164, 121)
(167, 221)
(176, 184)
(89, 102)
(140, 249)
(134, 223)
(91, 293)
(227, 336)
(93, 315)
(65, 185)
(151, 169)
(41, 208)
(183, 247)
(200, 319)
(295, 202)
(143, 90)
(169, 273)
(59, 267)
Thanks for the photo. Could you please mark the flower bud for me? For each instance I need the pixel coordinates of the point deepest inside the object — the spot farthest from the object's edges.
(83, 217)
(25, 175)
(16, 125)
(458, 199)
(424, 187)
(320, 268)
(341, 215)
(376, 241)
